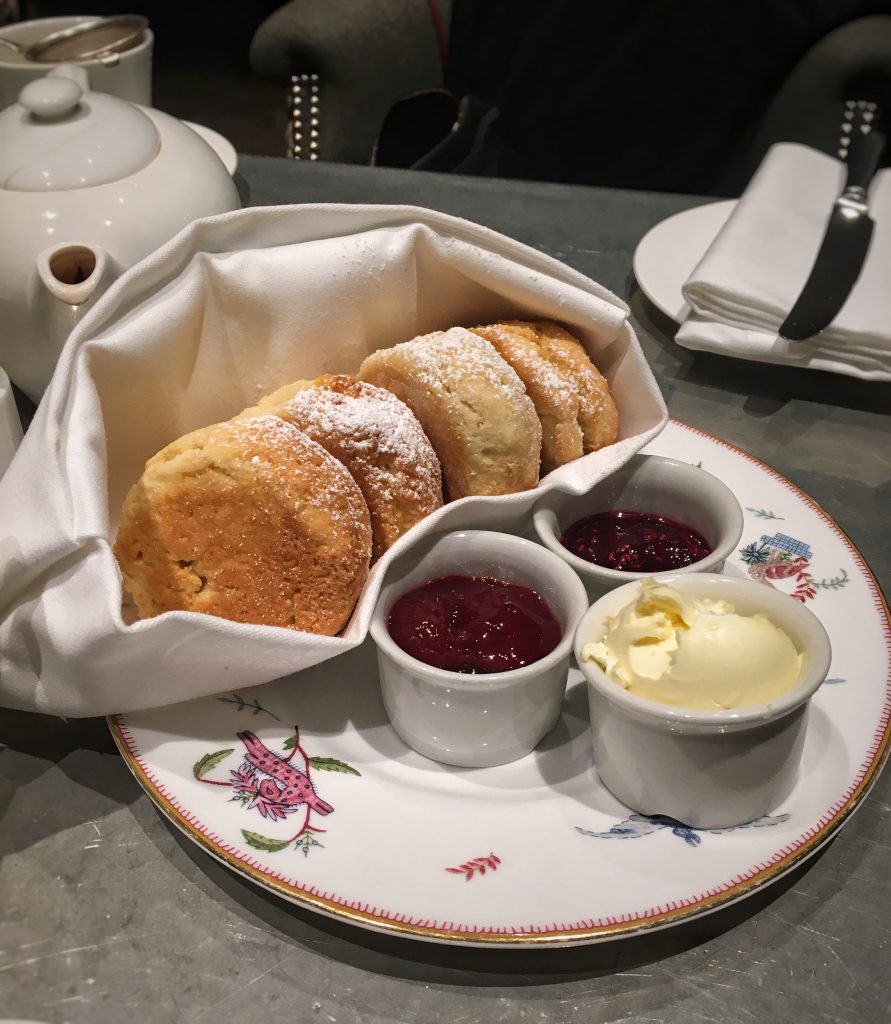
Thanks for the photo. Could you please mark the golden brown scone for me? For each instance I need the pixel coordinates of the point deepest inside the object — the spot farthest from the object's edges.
(250, 520)
(570, 395)
(379, 440)
(472, 406)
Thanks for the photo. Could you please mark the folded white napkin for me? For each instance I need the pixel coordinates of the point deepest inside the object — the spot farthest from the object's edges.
(744, 286)
(230, 309)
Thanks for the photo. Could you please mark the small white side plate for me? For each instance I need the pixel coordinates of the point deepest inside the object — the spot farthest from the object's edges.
(668, 253)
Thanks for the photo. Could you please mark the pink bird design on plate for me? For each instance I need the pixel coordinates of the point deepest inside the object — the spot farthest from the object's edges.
(273, 784)
(286, 787)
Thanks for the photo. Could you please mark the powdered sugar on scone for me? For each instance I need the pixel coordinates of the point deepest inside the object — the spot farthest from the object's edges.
(570, 395)
(379, 441)
(250, 520)
(472, 406)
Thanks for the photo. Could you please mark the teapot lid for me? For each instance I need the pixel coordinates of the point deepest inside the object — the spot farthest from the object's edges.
(59, 136)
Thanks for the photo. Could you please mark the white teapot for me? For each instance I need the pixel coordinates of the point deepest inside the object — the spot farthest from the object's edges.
(89, 185)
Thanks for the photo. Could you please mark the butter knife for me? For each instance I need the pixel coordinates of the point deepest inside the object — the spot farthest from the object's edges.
(845, 244)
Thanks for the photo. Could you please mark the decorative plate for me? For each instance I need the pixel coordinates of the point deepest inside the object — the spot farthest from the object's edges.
(302, 787)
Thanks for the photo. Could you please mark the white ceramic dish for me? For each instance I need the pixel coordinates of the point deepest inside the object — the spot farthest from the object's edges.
(668, 253)
(477, 721)
(707, 769)
(646, 483)
(535, 852)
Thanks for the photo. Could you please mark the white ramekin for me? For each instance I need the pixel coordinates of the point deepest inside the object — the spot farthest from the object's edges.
(477, 720)
(707, 769)
(646, 483)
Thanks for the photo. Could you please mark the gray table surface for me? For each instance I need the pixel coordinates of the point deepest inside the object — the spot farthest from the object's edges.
(109, 914)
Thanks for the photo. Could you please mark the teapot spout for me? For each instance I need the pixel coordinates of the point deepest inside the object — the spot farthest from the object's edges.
(65, 283)
(75, 275)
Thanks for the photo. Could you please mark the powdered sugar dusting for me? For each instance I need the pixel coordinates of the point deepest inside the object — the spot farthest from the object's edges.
(286, 452)
(549, 378)
(370, 426)
(372, 419)
(256, 436)
(544, 374)
(444, 355)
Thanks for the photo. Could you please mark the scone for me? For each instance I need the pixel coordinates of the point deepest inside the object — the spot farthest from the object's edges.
(472, 406)
(570, 395)
(379, 440)
(250, 520)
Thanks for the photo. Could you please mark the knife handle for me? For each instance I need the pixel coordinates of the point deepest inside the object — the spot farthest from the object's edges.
(864, 154)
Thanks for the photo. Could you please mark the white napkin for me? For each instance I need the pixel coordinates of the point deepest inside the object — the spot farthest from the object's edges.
(231, 308)
(10, 424)
(744, 286)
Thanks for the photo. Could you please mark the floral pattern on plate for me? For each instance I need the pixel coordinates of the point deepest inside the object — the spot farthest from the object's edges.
(637, 825)
(781, 557)
(273, 785)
